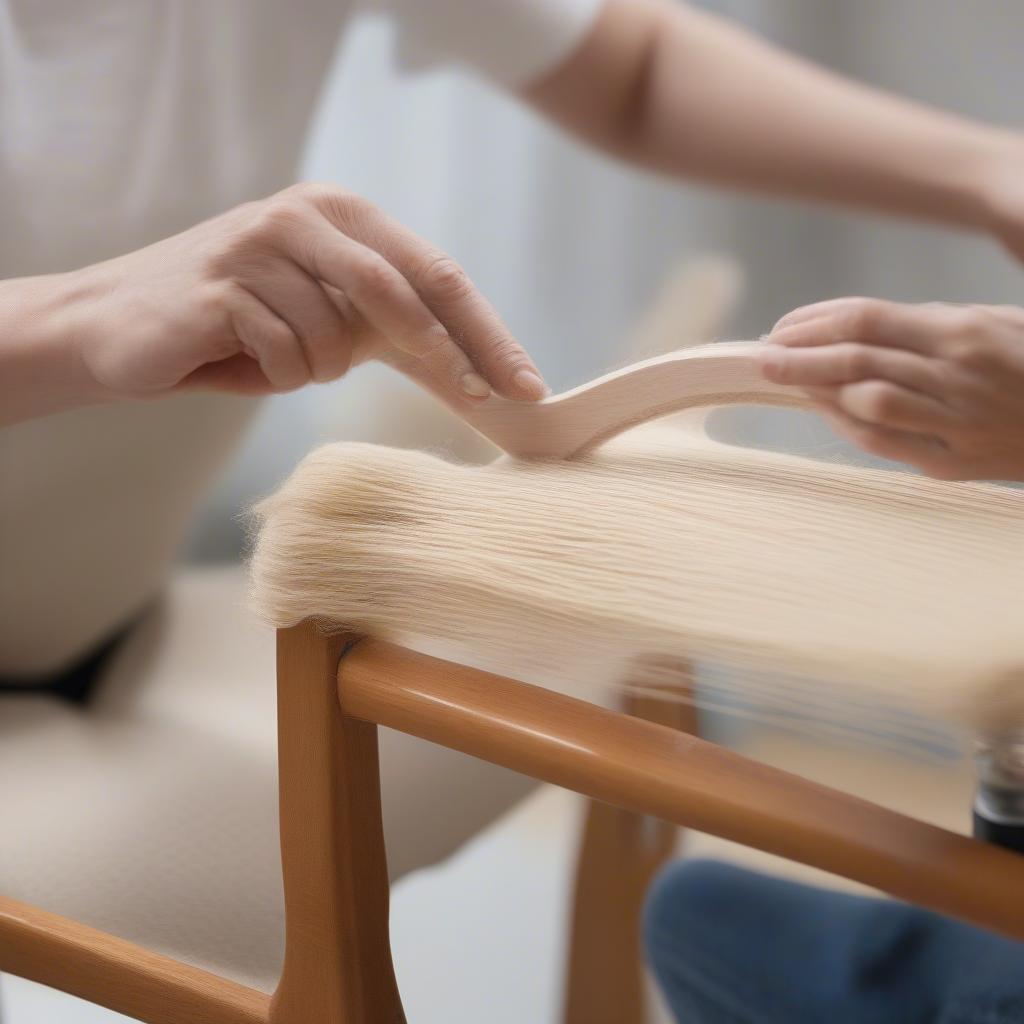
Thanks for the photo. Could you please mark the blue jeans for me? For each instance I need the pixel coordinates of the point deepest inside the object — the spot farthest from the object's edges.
(730, 946)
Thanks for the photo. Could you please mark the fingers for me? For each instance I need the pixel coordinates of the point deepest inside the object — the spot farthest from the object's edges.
(891, 388)
(888, 405)
(388, 303)
(449, 294)
(268, 340)
(414, 298)
(867, 322)
(934, 384)
(928, 454)
(300, 301)
(471, 318)
(1011, 316)
(238, 374)
(813, 311)
(839, 351)
(847, 363)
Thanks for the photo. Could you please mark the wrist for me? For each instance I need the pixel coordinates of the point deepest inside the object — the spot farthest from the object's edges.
(42, 323)
(1001, 192)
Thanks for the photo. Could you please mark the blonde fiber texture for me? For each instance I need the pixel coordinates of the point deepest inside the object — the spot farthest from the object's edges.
(837, 592)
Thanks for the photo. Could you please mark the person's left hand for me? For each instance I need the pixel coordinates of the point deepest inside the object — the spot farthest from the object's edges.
(939, 386)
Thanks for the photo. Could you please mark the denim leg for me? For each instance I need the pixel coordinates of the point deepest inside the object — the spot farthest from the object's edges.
(731, 946)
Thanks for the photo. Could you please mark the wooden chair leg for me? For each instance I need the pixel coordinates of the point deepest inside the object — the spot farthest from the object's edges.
(620, 853)
(337, 967)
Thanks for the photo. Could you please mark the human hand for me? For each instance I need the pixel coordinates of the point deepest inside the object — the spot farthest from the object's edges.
(937, 385)
(291, 289)
(1003, 192)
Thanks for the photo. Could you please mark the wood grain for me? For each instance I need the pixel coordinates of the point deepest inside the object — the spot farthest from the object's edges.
(569, 424)
(682, 779)
(337, 966)
(119, 975)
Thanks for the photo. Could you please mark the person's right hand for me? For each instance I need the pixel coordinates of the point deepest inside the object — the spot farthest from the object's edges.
(287, 290)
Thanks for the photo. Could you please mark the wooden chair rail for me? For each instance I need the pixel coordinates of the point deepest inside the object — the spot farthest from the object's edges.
(119, 975)
(338, 963)
(659, 771)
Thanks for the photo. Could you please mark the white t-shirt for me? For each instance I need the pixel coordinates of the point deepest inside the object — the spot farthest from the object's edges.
(124, 122)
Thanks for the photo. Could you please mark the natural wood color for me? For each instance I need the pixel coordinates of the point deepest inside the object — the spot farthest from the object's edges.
(569, 424)
(682, 779)
(119, 975)
(619, 855)
(337, 967)
(338, 964)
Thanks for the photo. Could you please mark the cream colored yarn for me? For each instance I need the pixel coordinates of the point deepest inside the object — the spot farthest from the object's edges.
(837, 590)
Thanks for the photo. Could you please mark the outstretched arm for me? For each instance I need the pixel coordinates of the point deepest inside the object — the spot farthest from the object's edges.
(688, 93)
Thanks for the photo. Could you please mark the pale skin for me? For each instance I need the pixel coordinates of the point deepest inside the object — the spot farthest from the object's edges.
(303, 285)
(938, 386)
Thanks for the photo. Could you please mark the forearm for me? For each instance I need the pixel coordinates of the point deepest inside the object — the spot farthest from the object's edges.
(40, 368)
(695, 96)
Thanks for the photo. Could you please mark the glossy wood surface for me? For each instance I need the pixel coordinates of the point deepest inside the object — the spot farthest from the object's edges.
(658, 771)
(119, 975)
(575, 421)
(620, 853)
(337, 966)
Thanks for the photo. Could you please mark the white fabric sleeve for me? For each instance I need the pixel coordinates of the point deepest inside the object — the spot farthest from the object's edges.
(511, 42)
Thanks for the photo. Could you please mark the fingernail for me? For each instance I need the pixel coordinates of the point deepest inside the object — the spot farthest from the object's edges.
(473, 384)
(528, 382)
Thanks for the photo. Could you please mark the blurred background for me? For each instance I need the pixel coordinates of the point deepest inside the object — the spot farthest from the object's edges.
(569, 247)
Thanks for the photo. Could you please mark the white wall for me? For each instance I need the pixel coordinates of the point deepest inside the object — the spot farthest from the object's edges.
(568, 245)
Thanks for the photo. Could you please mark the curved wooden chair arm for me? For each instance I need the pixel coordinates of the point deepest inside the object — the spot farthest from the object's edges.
(680, 778)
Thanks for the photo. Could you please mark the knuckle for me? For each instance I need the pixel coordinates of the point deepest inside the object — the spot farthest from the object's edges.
(215, 297)
(878, 400)
(348, 206)
(1014, 314)
(373, 276)
(970, 350)
(271, 218)
(268, 334)
(503, 353)
(278, 334)
(304, 191)
(338, 204)
(331, 362)
(867, 317)
(967, 320)
(949, 377)
(965, 354)
(435, 340)
(856, 361)
(969, 323)
(443, 277)
(795, 316)
(778, 367)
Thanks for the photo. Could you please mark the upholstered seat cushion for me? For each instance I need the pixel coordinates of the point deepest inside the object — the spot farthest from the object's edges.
(152, 814)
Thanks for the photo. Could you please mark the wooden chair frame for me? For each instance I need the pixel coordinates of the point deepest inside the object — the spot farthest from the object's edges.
(333, 693)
